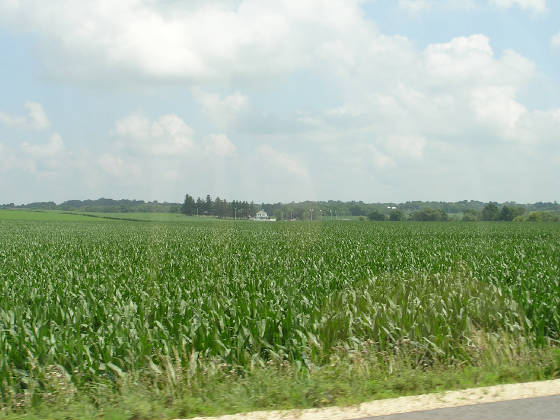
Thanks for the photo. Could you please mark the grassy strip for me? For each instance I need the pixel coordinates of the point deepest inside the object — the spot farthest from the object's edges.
(353, 377)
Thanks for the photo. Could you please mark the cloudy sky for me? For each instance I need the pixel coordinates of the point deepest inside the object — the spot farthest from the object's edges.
(379, 100)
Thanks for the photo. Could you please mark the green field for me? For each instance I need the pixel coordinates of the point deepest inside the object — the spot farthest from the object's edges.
(42, 216)
(153, 217)
(180, 309)
(63, 216)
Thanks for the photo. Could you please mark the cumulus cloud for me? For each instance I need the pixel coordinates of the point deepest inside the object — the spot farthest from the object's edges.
(497, 107)
(282, 161)
(219, 145)
(407, 145)
(396, 106)
(167, 135)
(420, 5)
(222, 111)
(38, 159)
(555, 40)
(186, 41)
(52, 148)
(35, 119)
(119, 167)
(413, 6)
(537, 6)
(379, 159)
(449, 90)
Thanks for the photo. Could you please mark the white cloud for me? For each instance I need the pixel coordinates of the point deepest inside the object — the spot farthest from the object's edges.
(186, 41)
(433, 111)
(168, 135)
(53, 148)
(222, 111)
(420, 5)
(536, 6)
(497, 107)
(540, 127)
(219, 145)
(36, 118)
(379, 159)
(118, 167)
(282, 161)
(407, 145)
(555, 40)
(414, 6)
(40, 160)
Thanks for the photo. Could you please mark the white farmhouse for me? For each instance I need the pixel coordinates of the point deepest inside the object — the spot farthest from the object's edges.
(261, 215)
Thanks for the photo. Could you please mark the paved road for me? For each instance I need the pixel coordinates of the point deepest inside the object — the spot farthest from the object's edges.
(542, 408)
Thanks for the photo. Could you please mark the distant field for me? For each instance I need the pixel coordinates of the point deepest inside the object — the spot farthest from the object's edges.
(61, 216)
(153, 217)
(45, 216)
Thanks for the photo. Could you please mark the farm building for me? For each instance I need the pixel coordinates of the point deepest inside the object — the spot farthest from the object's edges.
(261, 215)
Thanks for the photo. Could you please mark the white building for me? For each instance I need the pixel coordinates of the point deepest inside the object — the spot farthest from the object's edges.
(261, 215)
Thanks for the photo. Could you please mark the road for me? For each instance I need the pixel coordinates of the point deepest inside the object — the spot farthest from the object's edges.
(542, 408)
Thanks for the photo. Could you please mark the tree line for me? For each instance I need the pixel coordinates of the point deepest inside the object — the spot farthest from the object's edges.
(489, 212)
(314, 210)
(217, 207)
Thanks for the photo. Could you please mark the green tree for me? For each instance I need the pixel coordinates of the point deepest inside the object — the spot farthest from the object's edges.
(429, 214)
(507, 213)
(188, 206)
(490, 212)
(376, 215)
(199, 206)
(208, 205)
(470, 215)
(396, 216)
(356, 210)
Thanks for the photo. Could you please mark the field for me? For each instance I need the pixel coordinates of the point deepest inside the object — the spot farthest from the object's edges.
(183, 308)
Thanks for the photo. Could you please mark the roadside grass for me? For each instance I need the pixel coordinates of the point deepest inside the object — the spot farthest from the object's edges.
(353, 377)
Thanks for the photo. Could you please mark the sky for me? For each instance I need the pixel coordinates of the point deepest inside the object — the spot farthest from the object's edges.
(284, 100)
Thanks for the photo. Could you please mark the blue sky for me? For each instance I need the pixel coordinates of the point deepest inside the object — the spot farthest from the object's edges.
(373, 100)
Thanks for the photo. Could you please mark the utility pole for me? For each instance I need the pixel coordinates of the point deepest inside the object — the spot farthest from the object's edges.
(197, 211)
(311, 210)
(235, 213)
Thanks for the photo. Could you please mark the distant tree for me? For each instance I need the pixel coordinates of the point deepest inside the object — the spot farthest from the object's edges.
(376, 216)
(208, 205)
(429, 214)
(470, 215)
(490, 212)
(278, 214)
(189, 206)
(175, 208)
(396, 216)
(543, 216)
(507, 213)
(356, 210)
(199, 206)
(220, 207)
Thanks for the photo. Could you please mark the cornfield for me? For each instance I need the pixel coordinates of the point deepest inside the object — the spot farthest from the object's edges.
(102, 299)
